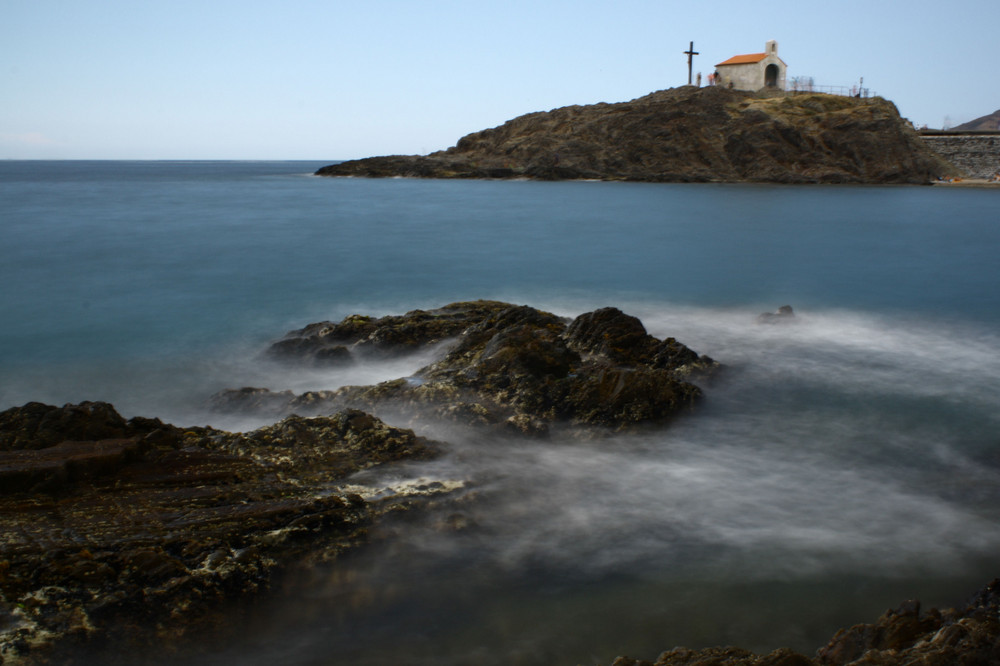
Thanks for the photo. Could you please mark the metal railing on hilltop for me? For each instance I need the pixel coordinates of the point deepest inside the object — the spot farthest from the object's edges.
(797, 88)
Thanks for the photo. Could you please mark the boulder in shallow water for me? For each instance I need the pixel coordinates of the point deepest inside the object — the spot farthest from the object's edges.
(784, 315)
(622, 338)
(250, 400)
(524, 370)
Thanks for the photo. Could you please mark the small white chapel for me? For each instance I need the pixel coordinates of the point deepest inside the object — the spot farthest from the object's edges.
(752, 71)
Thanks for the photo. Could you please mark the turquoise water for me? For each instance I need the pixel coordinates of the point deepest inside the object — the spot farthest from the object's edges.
(133, 257)
(846, 463)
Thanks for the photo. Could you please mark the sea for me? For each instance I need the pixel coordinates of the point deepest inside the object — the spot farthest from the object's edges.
(844, 462)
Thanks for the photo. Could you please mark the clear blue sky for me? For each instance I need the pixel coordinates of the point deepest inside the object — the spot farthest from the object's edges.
(327, 80)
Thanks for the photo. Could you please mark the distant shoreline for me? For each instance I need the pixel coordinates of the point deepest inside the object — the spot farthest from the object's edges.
(969, 182)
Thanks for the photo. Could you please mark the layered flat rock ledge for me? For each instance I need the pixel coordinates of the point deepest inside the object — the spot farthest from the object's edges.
(688, 134)
(133, 541)
(125, 538)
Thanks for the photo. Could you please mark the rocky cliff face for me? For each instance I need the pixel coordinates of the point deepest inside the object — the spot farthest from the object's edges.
(687, 134)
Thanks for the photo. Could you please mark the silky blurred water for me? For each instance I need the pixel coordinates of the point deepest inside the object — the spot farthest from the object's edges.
(841, 464)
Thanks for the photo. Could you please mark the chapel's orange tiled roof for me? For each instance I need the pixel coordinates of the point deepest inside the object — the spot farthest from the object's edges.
(744, 59)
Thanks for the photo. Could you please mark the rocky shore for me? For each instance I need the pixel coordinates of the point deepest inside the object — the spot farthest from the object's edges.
(120, 534)
(687, 134)
(904, 636)
(132, 540)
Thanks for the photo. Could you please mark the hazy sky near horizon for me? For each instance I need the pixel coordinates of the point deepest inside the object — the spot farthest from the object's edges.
(220, 79)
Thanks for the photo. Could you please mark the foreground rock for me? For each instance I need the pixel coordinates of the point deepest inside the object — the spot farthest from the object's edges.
(509, 367)
(901, 637)
(687, 134)
(124, 537)
(120, 534)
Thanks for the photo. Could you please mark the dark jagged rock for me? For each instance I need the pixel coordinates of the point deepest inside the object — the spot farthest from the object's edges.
(608, 331)
(904, 636)
(148, 531)
(687, 134)
(511, 367)
(326, 341)
(36, 426)
(361, 441)
(970, 635)
(623, 339)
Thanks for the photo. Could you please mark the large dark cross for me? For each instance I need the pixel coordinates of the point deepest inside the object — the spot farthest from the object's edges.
(690, 52)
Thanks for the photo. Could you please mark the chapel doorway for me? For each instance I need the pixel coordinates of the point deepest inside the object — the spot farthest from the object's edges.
(771, 76)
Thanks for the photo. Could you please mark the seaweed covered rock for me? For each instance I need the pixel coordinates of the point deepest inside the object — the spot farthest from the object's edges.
(512, 367)
(903, 636)
(623, 339)
(110, 544)
(323, 447)
(609, 331)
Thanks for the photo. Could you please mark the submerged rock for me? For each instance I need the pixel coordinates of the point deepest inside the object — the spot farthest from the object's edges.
(784, 315)
(511, 367)
(250, 399)
(120, 533)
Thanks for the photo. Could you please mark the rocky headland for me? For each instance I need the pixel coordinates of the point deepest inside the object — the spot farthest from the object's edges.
(687, 134)
(132, 540)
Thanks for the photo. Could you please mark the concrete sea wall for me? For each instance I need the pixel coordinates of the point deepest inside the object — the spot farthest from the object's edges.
(976, 154)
